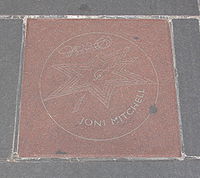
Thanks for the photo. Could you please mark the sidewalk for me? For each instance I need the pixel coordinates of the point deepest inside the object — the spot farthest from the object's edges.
(184, 19)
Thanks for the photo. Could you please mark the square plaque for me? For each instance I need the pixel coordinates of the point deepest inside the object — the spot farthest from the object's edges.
(98, 88)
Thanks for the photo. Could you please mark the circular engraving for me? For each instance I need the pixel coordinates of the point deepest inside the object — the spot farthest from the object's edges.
(98, 86)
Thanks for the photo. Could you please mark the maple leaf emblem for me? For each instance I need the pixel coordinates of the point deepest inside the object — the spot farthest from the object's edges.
(100, 77)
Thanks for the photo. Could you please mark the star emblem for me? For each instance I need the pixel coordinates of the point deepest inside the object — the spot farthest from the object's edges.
(100, 77)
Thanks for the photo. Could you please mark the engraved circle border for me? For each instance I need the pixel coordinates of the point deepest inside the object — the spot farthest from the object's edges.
(82, 137)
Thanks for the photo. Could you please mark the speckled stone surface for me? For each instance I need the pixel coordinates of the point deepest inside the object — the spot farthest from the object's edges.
(187, 36)
(98, 88)
(10, 46)
(100, 7)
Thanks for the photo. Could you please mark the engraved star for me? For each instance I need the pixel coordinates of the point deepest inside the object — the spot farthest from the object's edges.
(100, 77)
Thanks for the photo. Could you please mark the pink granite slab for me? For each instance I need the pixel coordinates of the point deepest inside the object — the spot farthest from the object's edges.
(96, 88)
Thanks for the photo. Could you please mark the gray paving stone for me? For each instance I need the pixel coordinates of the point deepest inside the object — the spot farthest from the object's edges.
(187, 49)
(139, 169)
(142, 7)
(10, 43)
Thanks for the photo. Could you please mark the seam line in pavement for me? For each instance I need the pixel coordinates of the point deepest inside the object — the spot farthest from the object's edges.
(101, 16)
(177, 90)
(19, 85)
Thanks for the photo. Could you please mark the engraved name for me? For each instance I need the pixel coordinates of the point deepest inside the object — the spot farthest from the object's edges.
(131, 109)
(89, 122)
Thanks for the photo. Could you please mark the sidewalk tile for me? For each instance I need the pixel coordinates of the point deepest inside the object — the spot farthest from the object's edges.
(187, 49)
(99, 7)
(10, 45)
(98, 88)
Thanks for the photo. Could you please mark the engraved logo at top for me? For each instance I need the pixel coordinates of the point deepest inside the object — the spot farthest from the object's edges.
(94, 87)
(101, 43)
